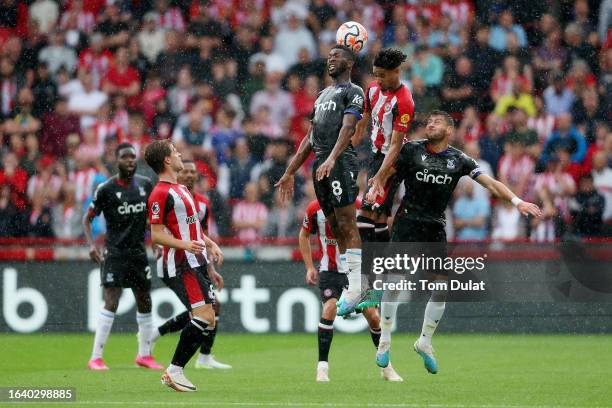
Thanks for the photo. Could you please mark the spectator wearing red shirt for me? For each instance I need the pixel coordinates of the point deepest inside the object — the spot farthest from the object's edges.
(16, 178)
(122, 79)
(56, 127)
(96, 59)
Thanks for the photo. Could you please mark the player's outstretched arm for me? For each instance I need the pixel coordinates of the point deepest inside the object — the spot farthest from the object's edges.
(286, 182)
(160, 237)
(312, 274)
(349, 124)
(499, 189)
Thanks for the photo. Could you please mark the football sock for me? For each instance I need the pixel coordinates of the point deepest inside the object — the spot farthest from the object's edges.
(103, 328)
(381, 232)
(388, 311)
(353, 261)
(366, 229)
(325, 336)
(433, 314)
(375, 333)
(145, 329)
(209, 340)
(174, 324)
(191, 338)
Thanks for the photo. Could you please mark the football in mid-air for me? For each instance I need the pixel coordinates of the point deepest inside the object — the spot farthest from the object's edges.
(353, 35)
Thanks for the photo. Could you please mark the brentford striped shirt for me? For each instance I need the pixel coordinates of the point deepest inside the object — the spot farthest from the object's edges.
(390, 110)
(173, 206)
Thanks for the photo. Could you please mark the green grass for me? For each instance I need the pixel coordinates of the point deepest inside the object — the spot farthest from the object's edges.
(491, 371)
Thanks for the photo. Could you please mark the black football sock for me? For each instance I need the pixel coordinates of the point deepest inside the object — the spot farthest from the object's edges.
(175, 324)
(366, 229)
(375, 333)
(209, 340)
(191, 338)
(382, 232)
(325, 336)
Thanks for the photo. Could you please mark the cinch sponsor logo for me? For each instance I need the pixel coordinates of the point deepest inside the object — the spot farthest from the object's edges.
(325, 106)
(192, 219)
(426, 177)
(126, 208)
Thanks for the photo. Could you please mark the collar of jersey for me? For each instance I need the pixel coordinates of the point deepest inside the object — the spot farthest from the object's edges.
(428, 148)
(344, 85)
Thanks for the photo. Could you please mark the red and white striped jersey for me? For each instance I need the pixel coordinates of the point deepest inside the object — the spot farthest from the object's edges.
(203, 207)
(316, 223)
(390, 110)
(173, 206)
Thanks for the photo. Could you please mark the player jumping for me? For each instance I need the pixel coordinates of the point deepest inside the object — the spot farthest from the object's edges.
(333, 121)
(431, 170)
(188, 177)
(175, 226)
(332, 280)
(123, 201)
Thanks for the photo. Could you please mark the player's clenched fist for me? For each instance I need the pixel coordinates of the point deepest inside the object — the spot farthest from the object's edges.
(94, 254)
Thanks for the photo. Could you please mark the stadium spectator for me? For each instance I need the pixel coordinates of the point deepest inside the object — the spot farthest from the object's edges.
(283, 219)
(16, 178)
(587, 208)
(152, 36)
(566, 136)
(45, 182)
(605, 20)
(516, 168)
(294, 35)
(56, 54)
(470, 213)
(12, 221)
(249, 216)
(277, 100)
(44, 92)
(21, 120)
(31, 154)
(87, 102)
(67, 216)
(470, 128)
(460, 89)
(428, 66)
(224, 134)
(122, 79)
(39, 218)
(517, 99)
(602, 180)
(482, 55)
(543, 123)
(506, 223)
(558, 98)
(45, 13)
(180, 95)
(499, 32)
(587, 112)
(520, 133)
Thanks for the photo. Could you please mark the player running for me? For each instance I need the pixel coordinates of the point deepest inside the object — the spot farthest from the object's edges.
(332, 280)
(431, 169)
(333, 121)
(175, 226)
(188, 177)
(390, 109)
(122, 200)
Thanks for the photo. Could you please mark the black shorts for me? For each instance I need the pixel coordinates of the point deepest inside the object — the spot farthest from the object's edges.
(408, 230)
(332, 284)
(340, 188)
(126, 270)
(193, 287)
(384, 203)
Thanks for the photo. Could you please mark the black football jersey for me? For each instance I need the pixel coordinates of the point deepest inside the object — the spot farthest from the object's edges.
(125, 210)
(328, 112)
(430, 179)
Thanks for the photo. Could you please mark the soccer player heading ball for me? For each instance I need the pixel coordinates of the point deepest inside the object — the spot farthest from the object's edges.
(333, 120)
(431, 169)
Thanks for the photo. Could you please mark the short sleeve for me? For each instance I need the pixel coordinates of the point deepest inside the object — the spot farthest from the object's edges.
(97, 203)
(470, 166)
(159, 204)
(403, 113)
(354, 101)
(310, 218)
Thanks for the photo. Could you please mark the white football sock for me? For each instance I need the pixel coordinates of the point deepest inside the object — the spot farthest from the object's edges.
(173, 369)
(433, 314)
(353, 260)
(388, 311)
(103, 328)
(155, 335)
(145, 331)
(322, 365)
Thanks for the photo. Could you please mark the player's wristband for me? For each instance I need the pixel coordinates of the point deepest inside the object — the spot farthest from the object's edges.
(516, 201)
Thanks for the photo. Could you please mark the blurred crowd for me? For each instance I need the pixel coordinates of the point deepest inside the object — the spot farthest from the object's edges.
(232, 83)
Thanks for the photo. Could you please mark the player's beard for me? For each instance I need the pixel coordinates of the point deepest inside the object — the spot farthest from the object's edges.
(339, 71)
(436, 137)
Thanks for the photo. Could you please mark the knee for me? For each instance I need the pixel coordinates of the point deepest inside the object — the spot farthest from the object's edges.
(205, 313)
(373, 319)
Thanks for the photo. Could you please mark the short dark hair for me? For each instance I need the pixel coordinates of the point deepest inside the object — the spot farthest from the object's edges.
(156, 153)
(347, 51)
(121, 146)
(389, 58)
(447, 117)
(188, 161)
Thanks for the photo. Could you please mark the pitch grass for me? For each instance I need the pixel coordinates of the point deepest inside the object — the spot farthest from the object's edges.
(490, 371)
